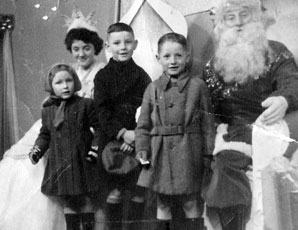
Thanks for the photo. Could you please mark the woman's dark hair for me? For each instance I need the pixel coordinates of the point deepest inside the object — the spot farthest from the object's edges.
(173, 37)
(84, 35)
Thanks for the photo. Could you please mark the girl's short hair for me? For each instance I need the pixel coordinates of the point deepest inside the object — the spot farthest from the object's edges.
(173, 37)
(84, 35)
(57, 68)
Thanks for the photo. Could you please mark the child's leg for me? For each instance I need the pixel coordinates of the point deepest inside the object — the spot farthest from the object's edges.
(164, 215)
(136, 209)
(73, 221)
(193, 218)
(114, 216)
(99, 204)
(72, 206)
(114, 210)
(88, 220)
(79, 213)
(191, 209)
(178, 216)
(87, 215)
(163, 207)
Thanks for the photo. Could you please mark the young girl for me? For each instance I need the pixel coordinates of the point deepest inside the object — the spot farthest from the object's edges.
(175, 132)
(22, 205)
(65, 133)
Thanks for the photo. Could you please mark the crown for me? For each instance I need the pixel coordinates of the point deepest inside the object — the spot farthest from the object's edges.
(78, 20)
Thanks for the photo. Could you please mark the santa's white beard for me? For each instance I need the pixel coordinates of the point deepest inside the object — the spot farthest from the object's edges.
(241, 55)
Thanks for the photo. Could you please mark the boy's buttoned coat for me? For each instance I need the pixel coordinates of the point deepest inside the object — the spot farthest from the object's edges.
(176, 128)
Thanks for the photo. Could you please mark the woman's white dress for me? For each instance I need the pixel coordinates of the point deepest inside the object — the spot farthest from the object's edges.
(22, 205)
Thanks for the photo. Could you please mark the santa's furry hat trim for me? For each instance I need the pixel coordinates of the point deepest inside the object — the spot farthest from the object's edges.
(223, 6)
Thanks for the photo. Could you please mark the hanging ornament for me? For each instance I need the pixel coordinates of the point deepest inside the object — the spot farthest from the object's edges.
(6, 22)
(48, 10)
(45, 17)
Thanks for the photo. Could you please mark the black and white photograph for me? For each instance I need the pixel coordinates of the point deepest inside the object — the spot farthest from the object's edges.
(149, 115)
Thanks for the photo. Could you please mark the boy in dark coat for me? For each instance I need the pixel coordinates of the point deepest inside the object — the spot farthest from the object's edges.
(118, 92)
(175, 132)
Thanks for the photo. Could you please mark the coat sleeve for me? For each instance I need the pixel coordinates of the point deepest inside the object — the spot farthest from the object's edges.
(94, 124)
(142, 84)
(144, 126)
(284, 73)
(108, 123)
(44, 136)
(207, 120)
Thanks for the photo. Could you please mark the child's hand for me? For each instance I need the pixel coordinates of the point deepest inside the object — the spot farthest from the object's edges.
(91, 156)
(34, 158)
(126, 148)
(142, 155)
(34, 155)
(129, 137)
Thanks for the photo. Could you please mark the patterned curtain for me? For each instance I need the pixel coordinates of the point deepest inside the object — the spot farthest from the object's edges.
(8, 115)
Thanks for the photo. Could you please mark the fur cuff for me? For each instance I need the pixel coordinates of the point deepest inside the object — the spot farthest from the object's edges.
(221, 144)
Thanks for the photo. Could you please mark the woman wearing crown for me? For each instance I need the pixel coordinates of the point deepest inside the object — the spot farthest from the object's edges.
(23, 206)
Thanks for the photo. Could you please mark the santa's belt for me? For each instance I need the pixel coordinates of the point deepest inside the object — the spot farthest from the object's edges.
(174, 130)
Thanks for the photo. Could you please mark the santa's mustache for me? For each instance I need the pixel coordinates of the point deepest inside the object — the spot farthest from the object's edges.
(249, 33)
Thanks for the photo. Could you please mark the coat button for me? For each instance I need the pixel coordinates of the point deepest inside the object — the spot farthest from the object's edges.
(171, 145)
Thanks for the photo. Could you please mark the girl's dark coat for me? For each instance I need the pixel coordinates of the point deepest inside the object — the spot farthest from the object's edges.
(67, 172)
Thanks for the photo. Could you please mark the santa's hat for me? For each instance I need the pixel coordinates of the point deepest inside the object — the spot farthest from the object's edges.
(221, 7)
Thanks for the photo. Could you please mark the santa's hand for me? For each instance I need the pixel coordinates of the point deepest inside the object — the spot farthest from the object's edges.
(276, 109)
